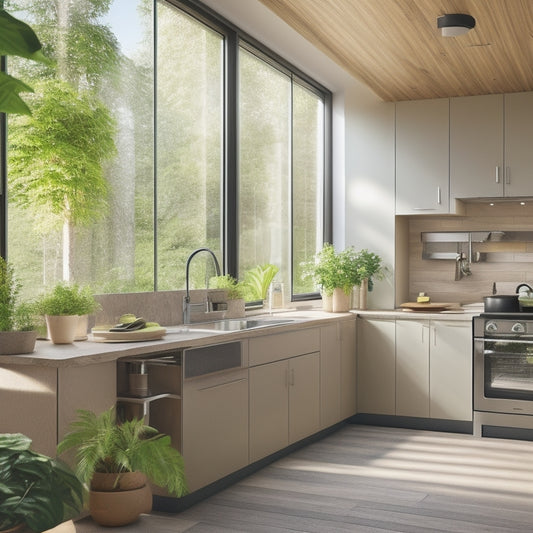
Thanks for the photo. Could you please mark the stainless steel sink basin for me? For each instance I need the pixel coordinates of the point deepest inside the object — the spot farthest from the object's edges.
(230, 324)
(239, 324)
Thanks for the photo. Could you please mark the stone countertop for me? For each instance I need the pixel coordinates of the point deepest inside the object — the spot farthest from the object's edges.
(455, 315)
(89, 352)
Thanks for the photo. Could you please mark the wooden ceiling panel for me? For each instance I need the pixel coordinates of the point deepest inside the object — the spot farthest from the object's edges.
(395, 48)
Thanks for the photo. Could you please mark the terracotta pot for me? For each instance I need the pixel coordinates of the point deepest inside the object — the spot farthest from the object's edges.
(62, 328)
(341, 301)
(119, 508)
(17, 342)
(108, 482)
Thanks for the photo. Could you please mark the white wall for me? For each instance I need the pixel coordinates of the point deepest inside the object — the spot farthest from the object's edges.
(363, 139)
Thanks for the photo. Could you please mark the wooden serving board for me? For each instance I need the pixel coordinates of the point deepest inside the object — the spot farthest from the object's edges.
(145, 334)
(427, 307)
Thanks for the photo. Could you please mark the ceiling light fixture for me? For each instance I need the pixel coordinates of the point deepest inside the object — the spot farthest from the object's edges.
(455, 24)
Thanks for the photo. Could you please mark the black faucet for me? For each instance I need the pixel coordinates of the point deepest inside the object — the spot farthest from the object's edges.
(187, 299)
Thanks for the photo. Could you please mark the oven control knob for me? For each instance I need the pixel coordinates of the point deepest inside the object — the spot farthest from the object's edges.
(518, 328)
(491, 327)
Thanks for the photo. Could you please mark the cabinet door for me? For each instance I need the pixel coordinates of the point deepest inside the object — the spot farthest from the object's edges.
(269, 413)
(412, 368)
(215, 427)
(518, 152)
(348, 369)
(376, 366)
(330, 375)
(451, 370)
(476, 146)
(422, 157)
(304, 396)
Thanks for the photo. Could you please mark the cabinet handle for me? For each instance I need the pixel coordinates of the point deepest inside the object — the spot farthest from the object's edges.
(439, 198)
(292, 377)
(497, 174)
(507, 175)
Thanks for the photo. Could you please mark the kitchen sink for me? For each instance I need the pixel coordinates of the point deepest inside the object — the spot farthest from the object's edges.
(239, 324)
(232, 324)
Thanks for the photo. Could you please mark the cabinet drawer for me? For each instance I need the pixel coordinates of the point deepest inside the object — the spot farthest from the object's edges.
(283, 345)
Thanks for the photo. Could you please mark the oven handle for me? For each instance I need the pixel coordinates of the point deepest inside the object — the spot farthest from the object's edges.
(521, 340)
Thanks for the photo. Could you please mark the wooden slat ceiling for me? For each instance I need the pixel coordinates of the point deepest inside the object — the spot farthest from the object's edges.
(395, 48)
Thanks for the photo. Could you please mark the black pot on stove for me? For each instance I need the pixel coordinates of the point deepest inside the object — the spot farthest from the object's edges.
(501, 303)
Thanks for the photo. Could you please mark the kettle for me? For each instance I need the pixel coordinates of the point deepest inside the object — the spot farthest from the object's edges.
(525, 297)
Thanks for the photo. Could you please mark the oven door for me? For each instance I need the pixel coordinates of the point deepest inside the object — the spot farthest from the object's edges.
(503, 375)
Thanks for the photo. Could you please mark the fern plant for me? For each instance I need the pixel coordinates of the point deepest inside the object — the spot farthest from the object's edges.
(104, 445)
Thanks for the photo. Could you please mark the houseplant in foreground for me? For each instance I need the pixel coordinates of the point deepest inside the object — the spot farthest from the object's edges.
(35, 490)
(115, 459)
(62, 308)
(18, 331)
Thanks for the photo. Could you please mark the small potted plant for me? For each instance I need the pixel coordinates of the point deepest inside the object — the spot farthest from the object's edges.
(63, 307)
(335, 273)
(369, 265)
(36, 491)
(18, 331)
(234, 294)
(256, 282)
(115, 459)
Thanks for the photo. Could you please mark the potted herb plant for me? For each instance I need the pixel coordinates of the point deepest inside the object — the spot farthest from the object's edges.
(115, 459)
(335, 273)
(234, 294)
(35, 490)
(18, 331)
(63, 307)
(369, 265)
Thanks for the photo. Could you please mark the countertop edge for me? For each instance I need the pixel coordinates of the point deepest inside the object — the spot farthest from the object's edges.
(82, 353)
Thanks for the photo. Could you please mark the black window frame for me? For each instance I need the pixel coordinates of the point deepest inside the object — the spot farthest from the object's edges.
(234, 39)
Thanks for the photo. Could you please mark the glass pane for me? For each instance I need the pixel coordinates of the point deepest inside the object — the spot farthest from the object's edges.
(189, 144)
(264, 165)
(308, 179)
(80, 169)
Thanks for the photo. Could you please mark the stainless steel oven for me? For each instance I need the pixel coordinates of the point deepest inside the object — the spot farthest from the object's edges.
(503, 374)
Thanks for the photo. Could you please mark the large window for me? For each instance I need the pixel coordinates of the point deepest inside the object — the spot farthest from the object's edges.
(157, 130)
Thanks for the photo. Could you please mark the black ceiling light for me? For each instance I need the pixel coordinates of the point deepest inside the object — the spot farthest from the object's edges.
(455, 24)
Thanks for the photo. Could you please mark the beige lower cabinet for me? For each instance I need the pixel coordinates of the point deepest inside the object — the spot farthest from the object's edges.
(330, 375)
(284, 403)
(41, 401)
(412, 368)
(434, 369)
(215, 427)
(348, 368)
(376, 366)
(450, 370)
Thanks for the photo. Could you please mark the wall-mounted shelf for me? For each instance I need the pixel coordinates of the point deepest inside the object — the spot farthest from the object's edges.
(478, 246)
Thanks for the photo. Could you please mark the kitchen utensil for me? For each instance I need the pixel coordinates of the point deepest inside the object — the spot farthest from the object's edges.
(501, 303)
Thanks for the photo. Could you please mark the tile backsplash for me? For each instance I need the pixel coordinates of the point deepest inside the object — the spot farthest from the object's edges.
(436, 277)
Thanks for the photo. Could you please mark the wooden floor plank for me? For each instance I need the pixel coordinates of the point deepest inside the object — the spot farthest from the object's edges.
(368, 479)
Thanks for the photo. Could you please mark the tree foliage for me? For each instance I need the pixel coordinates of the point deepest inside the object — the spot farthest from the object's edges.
(56, 155)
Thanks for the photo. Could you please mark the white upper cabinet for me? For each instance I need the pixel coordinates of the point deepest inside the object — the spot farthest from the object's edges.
(422, 157)
(518, 149)
(490, 146)
(476, 146)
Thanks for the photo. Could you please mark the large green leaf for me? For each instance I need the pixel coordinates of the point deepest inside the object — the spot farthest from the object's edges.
(10, 101)
(17, 38)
